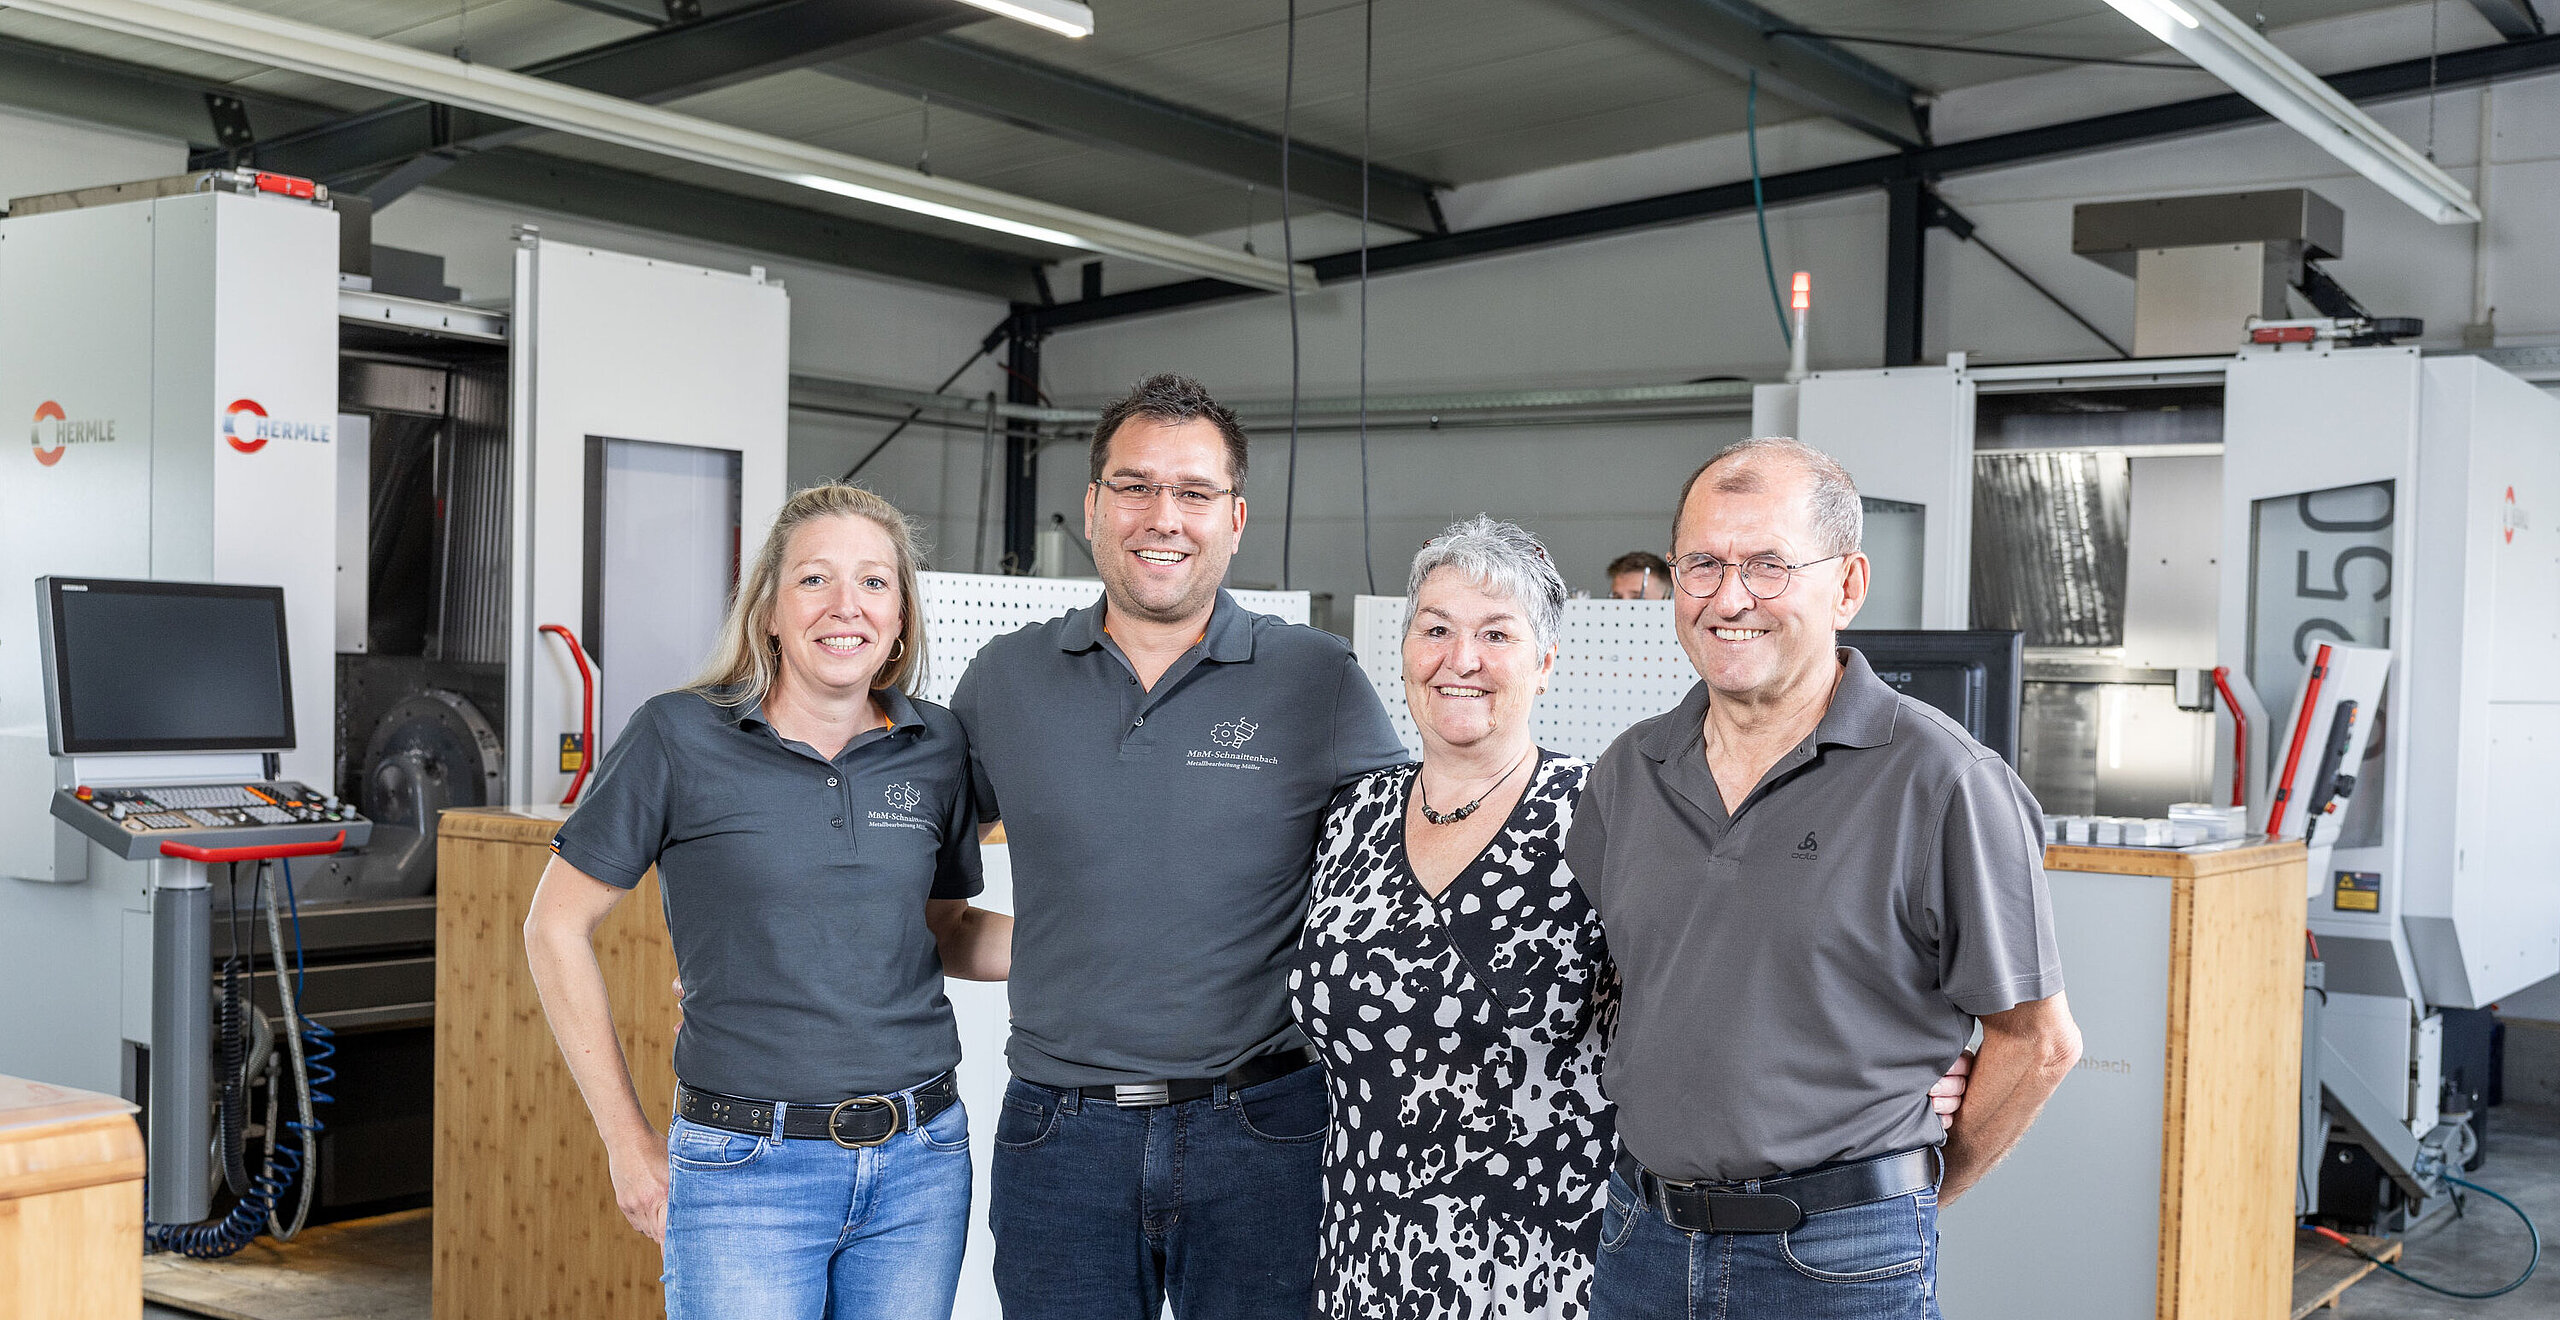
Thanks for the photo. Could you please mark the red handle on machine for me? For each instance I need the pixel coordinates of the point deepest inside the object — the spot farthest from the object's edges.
(586, 714)
(254, 852)
(2239, 736)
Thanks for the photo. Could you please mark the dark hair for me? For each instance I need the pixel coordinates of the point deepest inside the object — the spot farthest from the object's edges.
(1640, 561)
(1170, 398)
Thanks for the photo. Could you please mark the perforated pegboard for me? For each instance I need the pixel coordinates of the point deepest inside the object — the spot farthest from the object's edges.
(1617, 662)
(963, 611)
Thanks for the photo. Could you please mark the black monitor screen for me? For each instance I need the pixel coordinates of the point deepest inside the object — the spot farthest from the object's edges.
(167, 667)
(1974, 677)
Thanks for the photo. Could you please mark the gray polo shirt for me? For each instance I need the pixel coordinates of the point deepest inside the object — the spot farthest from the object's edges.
(1161, 837)
(794, 888)
(1797, 973)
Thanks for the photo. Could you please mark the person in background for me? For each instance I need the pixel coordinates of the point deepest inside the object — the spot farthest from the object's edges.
(1814, 888)
(1639, 575)
(1455, 980)
(811, 826)
(1162, 760)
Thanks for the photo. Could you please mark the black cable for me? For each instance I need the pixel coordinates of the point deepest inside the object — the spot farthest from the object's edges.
(231, 1103)
(2531, 1262)
(1760, 208)
(2001, 52)
(1289, 258)
(985, 346)
(1368, 67)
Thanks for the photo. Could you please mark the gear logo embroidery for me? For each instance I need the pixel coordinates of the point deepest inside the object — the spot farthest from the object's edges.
(902, 796)
(1233, 733)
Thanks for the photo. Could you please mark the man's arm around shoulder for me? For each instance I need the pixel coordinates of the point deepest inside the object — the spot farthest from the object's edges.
(2026, 1052)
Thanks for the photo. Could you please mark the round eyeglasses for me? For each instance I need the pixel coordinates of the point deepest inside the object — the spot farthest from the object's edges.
(1765, 577)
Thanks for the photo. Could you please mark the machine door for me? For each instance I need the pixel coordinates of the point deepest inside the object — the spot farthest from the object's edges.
(1906, 435)
(650, 416)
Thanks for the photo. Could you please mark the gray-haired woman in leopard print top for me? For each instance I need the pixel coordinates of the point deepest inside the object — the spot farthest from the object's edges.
(1453, 978)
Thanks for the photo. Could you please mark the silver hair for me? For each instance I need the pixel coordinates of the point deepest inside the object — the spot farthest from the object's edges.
(1838, 516)
(1502, 558)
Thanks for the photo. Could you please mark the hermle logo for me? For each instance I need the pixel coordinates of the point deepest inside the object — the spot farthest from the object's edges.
(902, 797)
(1233, 733)
(248, 427)
(54, 433)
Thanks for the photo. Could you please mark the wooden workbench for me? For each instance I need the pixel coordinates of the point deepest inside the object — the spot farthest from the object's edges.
(2159, 1182)
(70, 1204)
(525, 1221)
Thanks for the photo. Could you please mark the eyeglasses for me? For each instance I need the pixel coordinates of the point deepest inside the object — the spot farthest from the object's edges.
(1764, 577)
(1141, 495)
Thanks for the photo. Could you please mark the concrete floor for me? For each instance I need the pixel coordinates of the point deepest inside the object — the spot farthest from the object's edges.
(2485, 1247)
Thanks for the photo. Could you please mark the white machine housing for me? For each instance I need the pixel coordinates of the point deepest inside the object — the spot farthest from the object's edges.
(2405, 488)
(2456, 571)
(176, 361)
(650, 418)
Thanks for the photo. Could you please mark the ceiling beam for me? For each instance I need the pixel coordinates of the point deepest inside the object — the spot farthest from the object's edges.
(724, 219)
(1042, 98)
(2514, 19)
(166, 105)
(288, 44)
(131, 97)
(676, 61)
(2453, 69)
(1735, 36)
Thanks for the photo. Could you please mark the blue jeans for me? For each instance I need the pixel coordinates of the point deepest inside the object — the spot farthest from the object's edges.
(1102, 1213)
(1877, 1261)
(799, 1229)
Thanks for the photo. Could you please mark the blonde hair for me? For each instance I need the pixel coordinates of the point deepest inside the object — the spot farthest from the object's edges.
(746, 659)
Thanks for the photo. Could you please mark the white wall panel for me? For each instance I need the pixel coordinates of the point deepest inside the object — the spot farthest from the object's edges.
(1617, 662)
(632, 348)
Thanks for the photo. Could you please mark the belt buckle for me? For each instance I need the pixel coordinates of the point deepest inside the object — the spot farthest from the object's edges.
(837, 1113)
(1142, 1095)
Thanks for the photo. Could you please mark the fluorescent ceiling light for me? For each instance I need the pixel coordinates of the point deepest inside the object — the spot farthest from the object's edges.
(327, 53)
(2231, 50)
(1064, 17)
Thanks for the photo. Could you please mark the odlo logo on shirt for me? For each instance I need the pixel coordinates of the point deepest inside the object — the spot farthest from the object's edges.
(1809, 850)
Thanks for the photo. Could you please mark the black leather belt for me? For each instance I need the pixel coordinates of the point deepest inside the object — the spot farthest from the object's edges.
(864, 1120)
(1783, 1202)
(1251, 1072)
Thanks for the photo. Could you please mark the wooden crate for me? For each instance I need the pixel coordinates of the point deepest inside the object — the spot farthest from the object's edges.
(525, 1221)
(71, 1167)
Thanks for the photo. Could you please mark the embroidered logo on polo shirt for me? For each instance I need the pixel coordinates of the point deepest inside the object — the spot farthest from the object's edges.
(1808, 851)
(1231, 736)
(902, 798)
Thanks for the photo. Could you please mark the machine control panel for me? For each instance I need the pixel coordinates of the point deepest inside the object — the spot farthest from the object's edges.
(132, 821)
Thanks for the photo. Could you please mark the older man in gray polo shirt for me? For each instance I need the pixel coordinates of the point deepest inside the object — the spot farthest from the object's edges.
(1813, 888)
(1162, 762)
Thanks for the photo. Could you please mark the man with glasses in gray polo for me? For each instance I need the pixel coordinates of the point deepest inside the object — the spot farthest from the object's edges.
(1162, 762)
(1813, 888)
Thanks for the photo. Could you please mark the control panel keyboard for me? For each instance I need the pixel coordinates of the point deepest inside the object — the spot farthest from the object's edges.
(134, 820)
